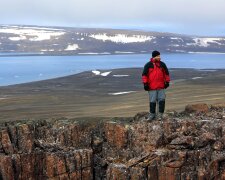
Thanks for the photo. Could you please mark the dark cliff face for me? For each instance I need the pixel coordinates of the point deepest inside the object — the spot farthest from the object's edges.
(189, 145)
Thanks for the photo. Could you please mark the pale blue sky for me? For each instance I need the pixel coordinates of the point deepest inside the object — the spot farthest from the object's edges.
(200, 17)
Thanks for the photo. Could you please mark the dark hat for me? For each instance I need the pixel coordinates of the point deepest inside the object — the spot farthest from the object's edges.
(155, 53)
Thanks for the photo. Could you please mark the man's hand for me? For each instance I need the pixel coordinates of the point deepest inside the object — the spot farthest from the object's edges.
(146, 87)
(167, 84)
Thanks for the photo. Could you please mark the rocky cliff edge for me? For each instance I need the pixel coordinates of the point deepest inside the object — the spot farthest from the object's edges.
(187, 145)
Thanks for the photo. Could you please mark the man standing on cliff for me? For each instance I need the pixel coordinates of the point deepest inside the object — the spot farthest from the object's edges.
(156, 79)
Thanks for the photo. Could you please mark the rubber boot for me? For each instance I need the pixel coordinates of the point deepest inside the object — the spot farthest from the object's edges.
(161, 109)
(152, 111)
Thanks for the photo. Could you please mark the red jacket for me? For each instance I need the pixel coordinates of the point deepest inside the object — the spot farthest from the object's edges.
(156, 74)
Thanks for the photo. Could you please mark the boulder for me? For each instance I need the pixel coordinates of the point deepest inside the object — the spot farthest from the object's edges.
(197, 108)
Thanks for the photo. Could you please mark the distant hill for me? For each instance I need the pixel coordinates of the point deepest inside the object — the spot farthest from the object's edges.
(79, 41)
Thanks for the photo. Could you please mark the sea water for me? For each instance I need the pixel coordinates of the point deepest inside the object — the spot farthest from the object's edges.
(21, 69)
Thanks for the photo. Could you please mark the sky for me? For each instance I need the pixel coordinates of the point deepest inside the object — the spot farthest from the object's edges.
(195, 17)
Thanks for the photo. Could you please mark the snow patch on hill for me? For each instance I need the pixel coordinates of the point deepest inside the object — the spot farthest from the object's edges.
(196, 78)
(33, 34)
(47, 50)
(17, 38)
(72, 47)
(98, 73)
(176, 38)
(191, 52)
(122, 75)
(204, 41)
(93, 53)
(120, 93)
(122, 52)
(122, 38)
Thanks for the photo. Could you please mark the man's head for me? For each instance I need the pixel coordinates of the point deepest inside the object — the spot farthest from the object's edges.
(156, 55)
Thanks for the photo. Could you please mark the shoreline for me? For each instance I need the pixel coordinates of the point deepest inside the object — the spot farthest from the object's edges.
(88, 71)
(103, 54)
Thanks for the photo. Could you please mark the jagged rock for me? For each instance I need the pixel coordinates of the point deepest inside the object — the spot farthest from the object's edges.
(197, 108)
(117, 171)
(25, 138)
(218, 145)
(145, 137)
(116, 134)
(6, 142)
(6, 167)
(220, 106)
(152, 171)
(188, 146)
(167, 173)
(137, 173)
(183, 142)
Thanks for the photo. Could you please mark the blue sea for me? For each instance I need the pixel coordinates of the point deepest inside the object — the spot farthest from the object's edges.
(21, 69)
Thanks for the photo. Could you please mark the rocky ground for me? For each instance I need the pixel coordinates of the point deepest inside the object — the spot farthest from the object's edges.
(186, 145)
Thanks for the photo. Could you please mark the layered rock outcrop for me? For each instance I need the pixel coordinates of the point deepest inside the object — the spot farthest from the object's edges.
(188, 145)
